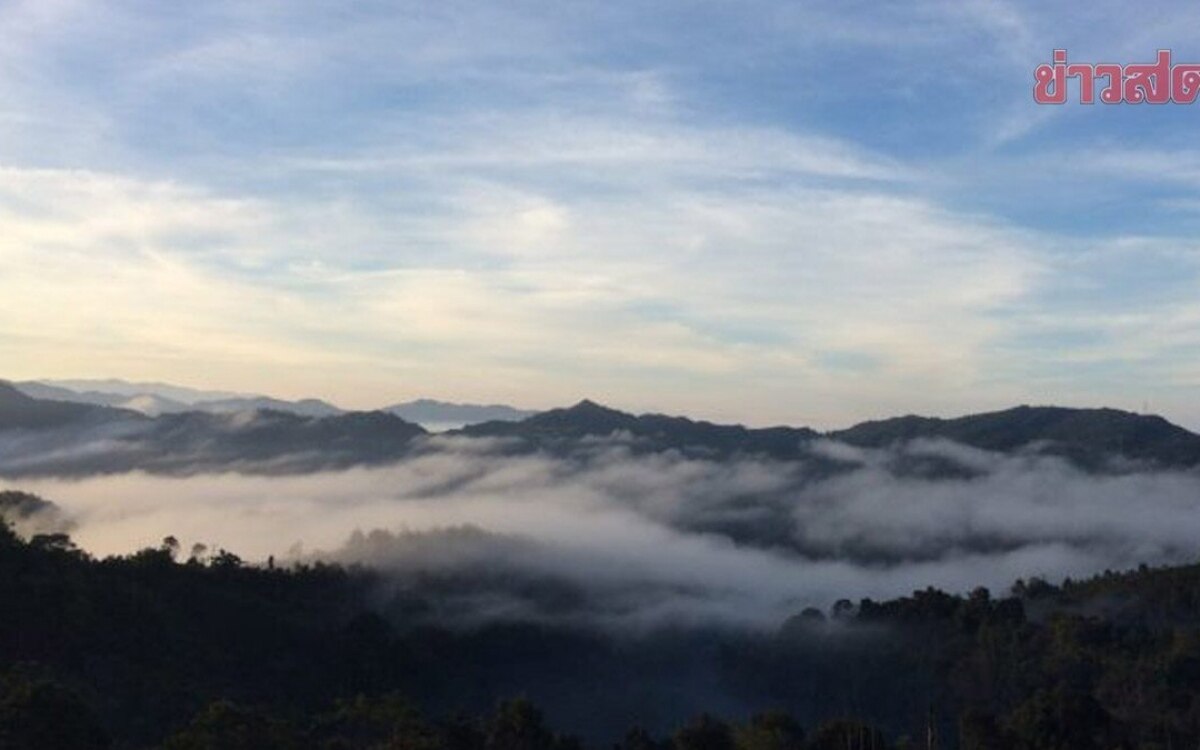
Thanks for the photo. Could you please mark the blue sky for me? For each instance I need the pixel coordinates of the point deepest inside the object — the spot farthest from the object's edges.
(757, 211)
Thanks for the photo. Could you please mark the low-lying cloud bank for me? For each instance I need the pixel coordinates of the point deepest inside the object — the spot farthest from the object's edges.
(466, 532)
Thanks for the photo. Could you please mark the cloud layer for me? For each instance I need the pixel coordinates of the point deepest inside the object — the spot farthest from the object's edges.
(464, 533)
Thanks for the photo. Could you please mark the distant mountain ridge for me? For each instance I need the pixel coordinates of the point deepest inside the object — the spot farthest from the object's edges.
(154, 399)
(20, 411)
(128, 389)
(429, 411)
(297, 436)
(146, 403)
(1086, 437)
(45, 437)
(654, 431)
(307, 407)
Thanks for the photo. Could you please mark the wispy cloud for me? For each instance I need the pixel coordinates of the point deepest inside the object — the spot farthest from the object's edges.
(639, 541)
(512, 202)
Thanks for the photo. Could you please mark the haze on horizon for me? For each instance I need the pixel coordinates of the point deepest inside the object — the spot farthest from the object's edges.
(766, 213)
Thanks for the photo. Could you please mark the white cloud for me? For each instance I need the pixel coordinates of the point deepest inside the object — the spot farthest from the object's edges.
(648, 538)
(430, 201)
(639, 280)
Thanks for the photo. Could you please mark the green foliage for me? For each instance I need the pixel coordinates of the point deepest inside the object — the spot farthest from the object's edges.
(43, 715)
(224, 726)
(151, 647)
(1061, 719)
(979, 730)
(704, 733)
(847, 734)
(383, 722)
(773, 730)
(638, 738)
(518, 725)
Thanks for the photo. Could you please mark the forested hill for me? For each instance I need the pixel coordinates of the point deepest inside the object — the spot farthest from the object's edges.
(19, 411)
(207, 652)
(1087, 436)
(59, 438)
(1090, 438)
(563, 429)
(43, 437)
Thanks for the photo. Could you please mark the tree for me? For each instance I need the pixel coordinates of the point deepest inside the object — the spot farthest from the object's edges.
(704, 733)
(773, 730)
(225, 560)
(43, 715)
(843, 609)
(979, 730)
(518, 725)
(1060, 719)
(57, 542)
(386, 721)
(224, 726)
(638, 738)
(847, 734)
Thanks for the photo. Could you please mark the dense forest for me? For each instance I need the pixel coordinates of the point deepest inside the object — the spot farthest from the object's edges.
(195, 649)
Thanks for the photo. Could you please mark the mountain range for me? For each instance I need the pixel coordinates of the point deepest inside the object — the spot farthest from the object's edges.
(43, 435)
(428, 412)
(655, 432)
(39, 436)
(154, 399)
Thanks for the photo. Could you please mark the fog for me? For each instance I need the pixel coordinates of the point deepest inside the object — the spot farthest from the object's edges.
(615, 539)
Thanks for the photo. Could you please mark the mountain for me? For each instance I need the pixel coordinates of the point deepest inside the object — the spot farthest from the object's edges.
(588, 419)
(309, 407)
(149, 404)
(1090, 438)
(265, 434)
(146, 403)
(429, 412)
(1086, 436)
(34, 389)
(19, 411)
(44, 437)
(116, 387)
(152, 401)
(277, 441)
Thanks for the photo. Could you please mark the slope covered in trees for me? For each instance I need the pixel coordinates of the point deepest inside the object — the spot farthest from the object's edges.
(201, 650)
(1086, 436)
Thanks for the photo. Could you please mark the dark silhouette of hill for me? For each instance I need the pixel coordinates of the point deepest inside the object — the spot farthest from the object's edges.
(153, 403)
(46, 392)
(587, 419)
(18, 410)
(125, 651)
(1094, 439)
(154, 399)
(194, 440)
(306, 407)
(1086, 436)
(59, 437)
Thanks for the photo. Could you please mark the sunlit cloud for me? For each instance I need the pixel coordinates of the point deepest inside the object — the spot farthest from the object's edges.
(832, 222)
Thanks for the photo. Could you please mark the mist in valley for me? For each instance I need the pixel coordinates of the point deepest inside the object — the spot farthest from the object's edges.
(609, 538)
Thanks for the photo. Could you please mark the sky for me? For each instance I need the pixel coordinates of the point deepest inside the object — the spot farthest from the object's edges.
(766, 212)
